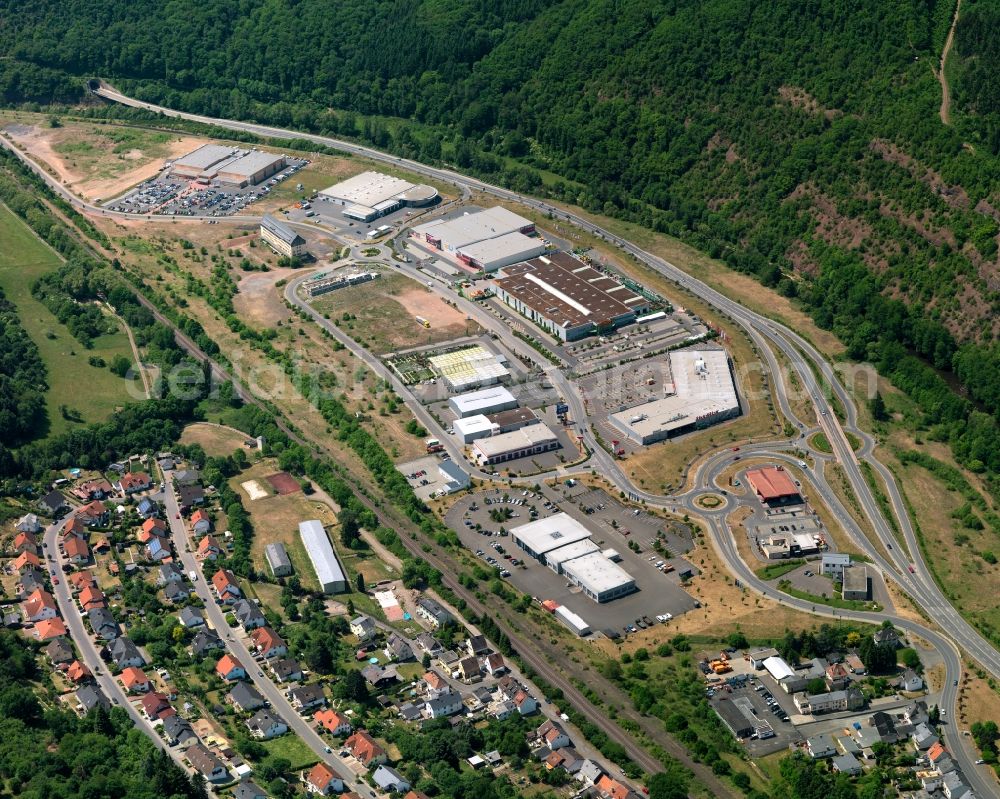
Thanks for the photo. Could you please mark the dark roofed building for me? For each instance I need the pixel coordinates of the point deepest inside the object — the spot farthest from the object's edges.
(281, 238)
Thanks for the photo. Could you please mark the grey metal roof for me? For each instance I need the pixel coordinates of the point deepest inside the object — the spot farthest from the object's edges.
(321, 554)
(276, 556)
(281, 230)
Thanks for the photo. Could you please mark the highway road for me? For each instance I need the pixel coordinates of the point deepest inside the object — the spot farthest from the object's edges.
(236, 644)
(764, 332)
(88, 649)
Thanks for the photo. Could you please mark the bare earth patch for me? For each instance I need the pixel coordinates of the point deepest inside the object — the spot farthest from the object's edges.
(258, 301)
(420, 302)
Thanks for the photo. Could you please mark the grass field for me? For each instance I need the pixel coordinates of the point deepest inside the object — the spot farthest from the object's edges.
(292, 748)
(24, 258)
(778, 569)
(217, 441)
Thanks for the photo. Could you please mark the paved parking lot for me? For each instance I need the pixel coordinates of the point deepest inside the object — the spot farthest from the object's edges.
(422, 474)
(178, 196)
(754, 705)
(331, 216)
(658, 592)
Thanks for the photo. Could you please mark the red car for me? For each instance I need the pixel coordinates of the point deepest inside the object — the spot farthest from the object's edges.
(912, 571)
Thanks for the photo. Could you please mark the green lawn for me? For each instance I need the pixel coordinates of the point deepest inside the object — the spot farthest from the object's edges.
(778, 569)
(92, 391)
(293, 748)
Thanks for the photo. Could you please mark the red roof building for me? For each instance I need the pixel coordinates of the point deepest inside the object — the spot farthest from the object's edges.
(76, 550)
(229, 668)
(25, 542)
(772, 484)
(363, 747)
(92, 597)
(26, 560)
(334, 722)
(150, 528)
(323, 780)
(225, 585)
(47, 629)
(132, 482)
(268, 642)
(135, 680)
(156, 706)
(77, 672)
(39, 605)
(80, 580)
(208, 548)
(93, 513)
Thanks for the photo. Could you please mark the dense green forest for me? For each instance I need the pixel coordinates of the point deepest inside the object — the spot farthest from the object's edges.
(798, 141)
(22, 379)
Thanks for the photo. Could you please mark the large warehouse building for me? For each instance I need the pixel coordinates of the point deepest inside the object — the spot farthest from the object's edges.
(567, 298)
(474, 427)
(773, 485)
(599, 578)
(540, 537)
(324, 561)
(468, 368)
(281, 238)
(702, 392)
(532, 440)
(482, 239)
(486, 401)
(372, 194)
(228, 165)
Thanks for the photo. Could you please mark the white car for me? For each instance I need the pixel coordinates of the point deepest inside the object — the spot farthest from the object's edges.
(664, 617)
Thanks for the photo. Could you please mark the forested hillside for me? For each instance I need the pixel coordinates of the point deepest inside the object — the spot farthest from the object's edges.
(799, 140)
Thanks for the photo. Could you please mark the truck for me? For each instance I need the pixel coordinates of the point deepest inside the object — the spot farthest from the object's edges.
(433, 445)
(192, 575)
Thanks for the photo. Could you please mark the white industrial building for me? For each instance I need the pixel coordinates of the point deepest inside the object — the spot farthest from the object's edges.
(200, 161)
(701, 392)
(461, 233)
(540, 537)
(572, 620)
(490, 255)
(281, 238)
(472, 427)
(369, 195)
(778, 668)
(599, 578)
(488, 400)
(532, 440)
(468, 368)
(324, 561)
(228, 165)
(557, 558)
(834, 563)
(277, 559)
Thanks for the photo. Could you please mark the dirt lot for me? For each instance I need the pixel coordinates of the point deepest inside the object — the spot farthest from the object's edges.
(259, 302)
(386, 311)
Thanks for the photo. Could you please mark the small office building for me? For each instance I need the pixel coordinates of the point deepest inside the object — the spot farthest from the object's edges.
(281, 238)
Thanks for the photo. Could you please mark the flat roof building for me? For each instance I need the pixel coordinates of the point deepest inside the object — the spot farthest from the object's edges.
(856, 584)
(772, 485)
(468, 368)
(200, 161)
(557, 558)
(532, 440)
(567, 298)
(451, 235)
(734, 718)
(488, 400)
(454, 476)
(473, 427)
(546, 535)
(701, 392)
(834, 563)
(277, 559)
(369, 195)
(324, 561)
(250, 169)
(490, 255)
(281, 238)
(600, 579)
(514, 419)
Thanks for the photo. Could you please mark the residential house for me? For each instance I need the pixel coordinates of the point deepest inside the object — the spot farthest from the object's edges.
(590, 772)
(846, 764)
(169, 573)
(478, 645)
(365, 749)
(186, 477)
(323, 780)
(205, 641)
(201, 522)
(923, 737)
(178, 732)
(40, 605)
(445, 704)
(125, 653)
(78, 673)
(209, 548)
(175, 593)
(887, 636)
(820, 746)
(158, 549)
(435, 682)
(953, 787)
(249, 790)
(248, 615)
(152, 528)
(611, 789)
(59, 652)
(74, 527)
(98, 488)
(836, 676)
(26, 541)
(53, 504)
(265, 725)
(434, 612)
(91, 597)
(81, 580)
(855, 664)
(28, 524)
(48, 629)
(307, 696)
(333, 722)
(268, 643)
(501, 709)
(26, 560)
(190, 617)
(156, 706)
(911, 681)
(525, 703)
(206, 763)
(468, 668)
(552, 735)
(886, 726)
(226, 587)
(363, 627)
(286, 670)
(396, 648)
(103, 624)
(566, 758)
(379, 676)
(245, 698)
(90, 696)
(147, 508)
(495, 665)
(76, 550)
(132, 483)
(428, 643)
(135, 680)
(388, 779)
(189, 496)
(447, 660)
(230, 669)
(94, 514)
(940, 758)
